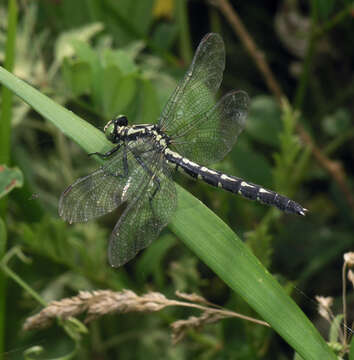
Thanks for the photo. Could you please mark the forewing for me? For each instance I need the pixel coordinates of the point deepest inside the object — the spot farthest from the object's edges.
(195, 93)
(105, 189)
(144, 218)
(210, 136)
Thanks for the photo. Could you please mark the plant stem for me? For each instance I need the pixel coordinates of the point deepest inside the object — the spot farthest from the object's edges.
(334, 21)
(5, 136)
(304, 79)
(185, 41)
(3, 265)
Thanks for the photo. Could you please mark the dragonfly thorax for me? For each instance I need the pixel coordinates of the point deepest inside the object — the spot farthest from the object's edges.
(118, 130)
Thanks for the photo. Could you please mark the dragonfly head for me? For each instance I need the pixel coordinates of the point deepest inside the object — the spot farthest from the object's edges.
(114, 128)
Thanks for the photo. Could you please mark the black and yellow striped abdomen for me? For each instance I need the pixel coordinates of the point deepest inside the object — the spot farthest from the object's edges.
(233, 184)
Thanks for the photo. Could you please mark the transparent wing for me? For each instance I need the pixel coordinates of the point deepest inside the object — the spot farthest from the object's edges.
(145, 216)
(195, 93)
(105, 189)
(211, 135)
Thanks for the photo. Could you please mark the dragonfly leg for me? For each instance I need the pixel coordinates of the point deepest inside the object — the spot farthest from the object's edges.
(125, 162)
(155, 179)
(108, 153)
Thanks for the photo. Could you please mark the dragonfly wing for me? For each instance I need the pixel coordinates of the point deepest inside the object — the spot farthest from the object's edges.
(144, 217)
(196, 92)
(212, 135)
(106, 188)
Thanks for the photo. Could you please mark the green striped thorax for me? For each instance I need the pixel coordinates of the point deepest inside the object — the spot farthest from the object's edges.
(111, 129)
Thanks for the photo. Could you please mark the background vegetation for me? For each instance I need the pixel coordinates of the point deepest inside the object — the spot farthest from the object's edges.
(101, 58)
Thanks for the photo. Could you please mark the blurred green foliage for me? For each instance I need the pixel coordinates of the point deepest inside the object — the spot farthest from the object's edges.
(103, 58)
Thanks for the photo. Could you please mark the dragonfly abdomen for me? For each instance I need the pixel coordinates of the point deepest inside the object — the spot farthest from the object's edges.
(234, 184)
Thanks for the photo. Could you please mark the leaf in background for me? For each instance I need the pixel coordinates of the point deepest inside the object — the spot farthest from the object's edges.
(351, 350)
(118, 91)
(184, 274)
(139, 13)
(260, 241)
(150, 263)
(130, 20)
(124, 60)
(325, 8)
(85, 53)
(10, 178)
(291, 158)
(110, 78)
(146, 108)
(164, 35)
(264, 121)
(81, 248)
(34, 352)
(252, 165)
(3, 237)
(77, 76)
(64, 45)
(133, 49)
(337, 123)
(336, 329)
(164, 86)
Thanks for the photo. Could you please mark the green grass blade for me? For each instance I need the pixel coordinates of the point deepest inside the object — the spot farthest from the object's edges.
(207, 235)
(3, 283)
(6, 95)
(219, 247)
(5, 140)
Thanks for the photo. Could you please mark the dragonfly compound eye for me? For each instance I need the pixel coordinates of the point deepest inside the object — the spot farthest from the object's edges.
(121, 120)
(109, 131)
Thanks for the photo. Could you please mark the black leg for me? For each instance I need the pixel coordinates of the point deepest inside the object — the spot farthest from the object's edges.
(125, 165)
(125, 162)
(158, 187)
(108, 153)
(152, 196)
(155, 179)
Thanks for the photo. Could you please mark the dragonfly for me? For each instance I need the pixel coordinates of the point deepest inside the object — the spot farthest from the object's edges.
(193, 131)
